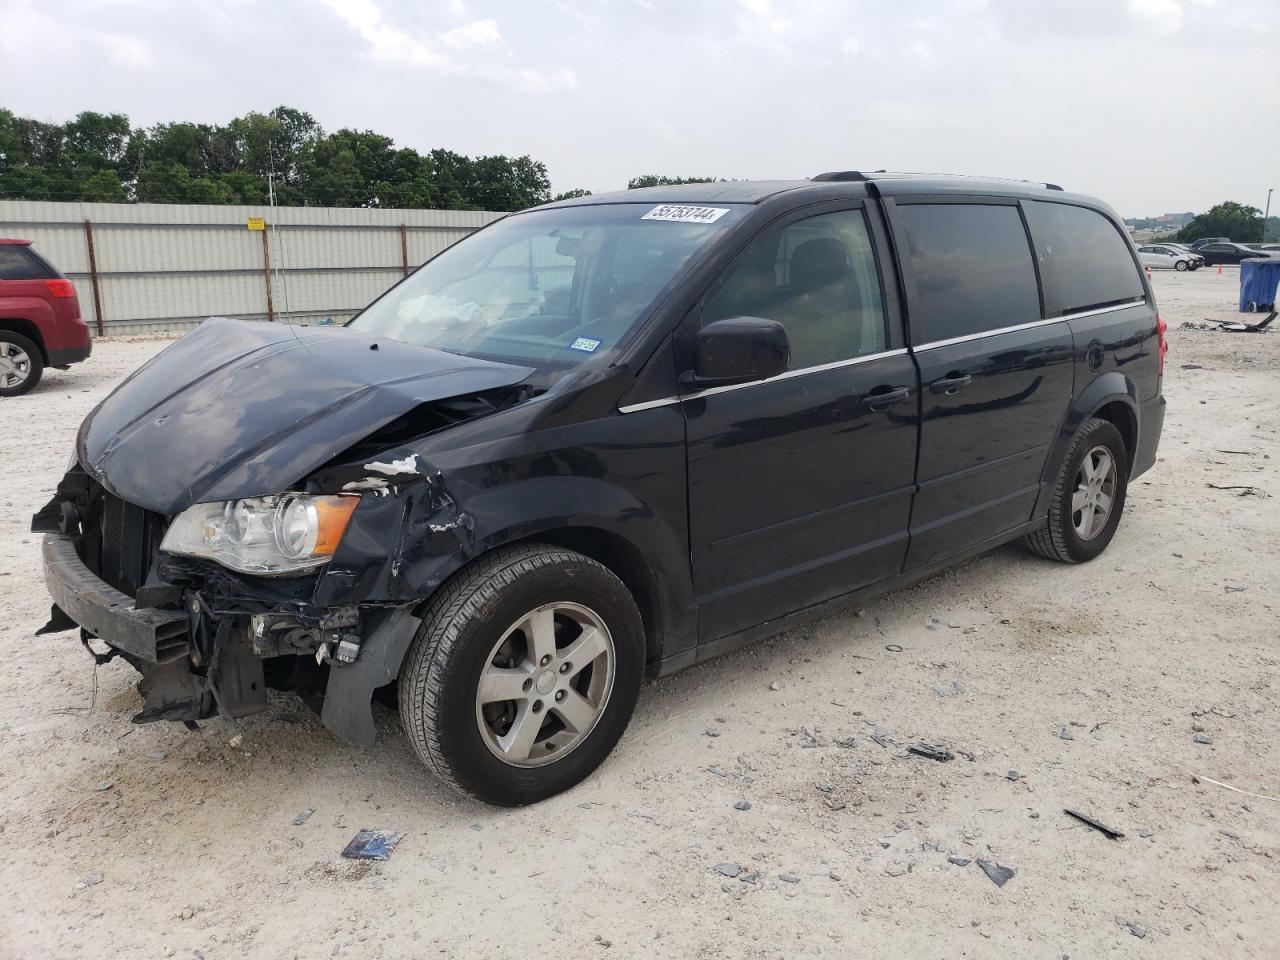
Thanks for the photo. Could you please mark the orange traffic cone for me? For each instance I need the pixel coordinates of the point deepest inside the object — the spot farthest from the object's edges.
(1219, 269)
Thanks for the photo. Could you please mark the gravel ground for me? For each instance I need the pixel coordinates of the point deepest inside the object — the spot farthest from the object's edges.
(1087, 687)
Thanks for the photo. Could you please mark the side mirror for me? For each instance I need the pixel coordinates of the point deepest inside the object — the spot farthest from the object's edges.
(738, 350)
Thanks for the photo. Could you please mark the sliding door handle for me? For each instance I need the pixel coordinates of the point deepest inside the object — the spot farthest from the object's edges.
(882, 397)
(950, 383)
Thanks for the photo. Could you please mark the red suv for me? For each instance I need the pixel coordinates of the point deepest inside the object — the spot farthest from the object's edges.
(40, 323)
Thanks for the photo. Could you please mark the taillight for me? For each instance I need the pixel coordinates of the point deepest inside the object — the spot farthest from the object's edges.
(62, 289)
(1161, 327)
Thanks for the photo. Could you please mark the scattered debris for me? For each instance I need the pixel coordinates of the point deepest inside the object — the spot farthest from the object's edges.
(881, 739)
(1065, 734)
(1219, 783)
(1203, 738)
(897, 869)
(1246, 490)
(931, 752)
(302, 817)
(157, 755)
(372, 845)
(234, 742)
(775, 686)
(788, 878)
(959, 861)
(742, 805)
(93, 879)
(1013, 776)
(845, 742)
(999, 875)
(1111, 832)
(1145, 832)
(729, 870)
(893, 647)
(104, 786)
(953, 690)
(712, 732)
(1136, 929)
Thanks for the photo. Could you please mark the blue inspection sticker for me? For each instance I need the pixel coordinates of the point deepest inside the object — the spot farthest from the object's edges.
(585, 344)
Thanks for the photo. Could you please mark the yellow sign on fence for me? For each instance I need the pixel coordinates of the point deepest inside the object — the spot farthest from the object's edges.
(257, 223)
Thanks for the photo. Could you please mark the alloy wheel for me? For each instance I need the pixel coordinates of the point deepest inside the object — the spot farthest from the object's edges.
(545, 684)
(1094, 494)
(15, 365)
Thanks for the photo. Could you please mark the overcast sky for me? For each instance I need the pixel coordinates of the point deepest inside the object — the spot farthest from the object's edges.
(1147, 103)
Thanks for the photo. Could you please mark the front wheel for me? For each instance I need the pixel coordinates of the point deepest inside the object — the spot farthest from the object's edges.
(1088, 498)
(1180, 266)
(523, 675)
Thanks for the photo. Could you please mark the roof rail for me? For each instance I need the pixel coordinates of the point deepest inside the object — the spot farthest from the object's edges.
(845, 176)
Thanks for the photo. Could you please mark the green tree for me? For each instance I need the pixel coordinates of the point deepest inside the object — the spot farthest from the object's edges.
(571, 194)
(653, 180)
(103, 186)
(96, 140)
(1238, 221)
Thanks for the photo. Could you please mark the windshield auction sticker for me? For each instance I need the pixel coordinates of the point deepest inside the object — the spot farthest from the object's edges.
(680, 213)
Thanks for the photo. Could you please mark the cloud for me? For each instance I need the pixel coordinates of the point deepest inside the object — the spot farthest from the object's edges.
(475, 33)
(127, 51)
(1165, 15)
(390, 44)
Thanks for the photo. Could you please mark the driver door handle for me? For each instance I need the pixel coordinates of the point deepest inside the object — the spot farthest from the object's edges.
(882, 397)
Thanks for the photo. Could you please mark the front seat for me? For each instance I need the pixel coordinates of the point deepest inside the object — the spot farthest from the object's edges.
(821, 311)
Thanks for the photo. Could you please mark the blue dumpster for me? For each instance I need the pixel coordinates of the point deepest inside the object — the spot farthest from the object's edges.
(1258, 282)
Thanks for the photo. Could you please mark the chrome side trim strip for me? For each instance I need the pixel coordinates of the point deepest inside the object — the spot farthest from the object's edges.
(790, 374)
(1075, 315)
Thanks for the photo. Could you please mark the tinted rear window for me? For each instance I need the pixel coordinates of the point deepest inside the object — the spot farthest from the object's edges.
(1087, 257)
(969, 268)
(17, 262)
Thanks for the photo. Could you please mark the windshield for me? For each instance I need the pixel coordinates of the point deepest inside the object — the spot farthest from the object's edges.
(550, 288)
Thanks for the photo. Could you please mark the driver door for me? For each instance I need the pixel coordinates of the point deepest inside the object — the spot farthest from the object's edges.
(800, 486)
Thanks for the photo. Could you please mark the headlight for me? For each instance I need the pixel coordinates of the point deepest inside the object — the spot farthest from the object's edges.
(266, 536)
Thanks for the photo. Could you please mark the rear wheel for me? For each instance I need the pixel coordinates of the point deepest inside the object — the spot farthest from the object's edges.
(523, 675)
(1088, 498)
(20, 364)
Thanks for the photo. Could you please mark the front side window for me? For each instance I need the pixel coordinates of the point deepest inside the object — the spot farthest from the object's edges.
(817, 277)
(1090, 260)
(549, 289)
(969, 269)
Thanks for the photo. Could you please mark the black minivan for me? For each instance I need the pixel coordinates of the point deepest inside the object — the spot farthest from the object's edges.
(607, 437)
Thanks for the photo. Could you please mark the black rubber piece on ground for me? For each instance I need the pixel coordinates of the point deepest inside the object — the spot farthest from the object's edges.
(1057, 539)
(463, 621)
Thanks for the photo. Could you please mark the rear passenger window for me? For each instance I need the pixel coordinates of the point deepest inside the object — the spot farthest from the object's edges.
(1085, 254)
(817, 277)
(17, 263)
(969, 269)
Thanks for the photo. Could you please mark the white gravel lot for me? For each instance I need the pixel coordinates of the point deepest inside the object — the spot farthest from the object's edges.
(149, 841)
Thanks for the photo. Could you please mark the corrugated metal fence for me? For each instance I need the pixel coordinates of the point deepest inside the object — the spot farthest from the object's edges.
(157, 267)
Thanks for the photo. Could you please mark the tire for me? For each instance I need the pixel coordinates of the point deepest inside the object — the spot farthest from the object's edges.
(21, 364)
(1069, 536)
(1180, 266)
(481, 624)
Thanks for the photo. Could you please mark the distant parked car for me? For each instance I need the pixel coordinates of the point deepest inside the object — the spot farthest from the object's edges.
(1164, 257)
(1231, 253)
(1197, 244)
(40, 323)
(1270, 247)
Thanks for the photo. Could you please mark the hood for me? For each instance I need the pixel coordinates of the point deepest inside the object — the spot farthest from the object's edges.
(242, 408)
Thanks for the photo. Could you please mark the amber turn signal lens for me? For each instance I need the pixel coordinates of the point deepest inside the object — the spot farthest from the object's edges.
(332, 516)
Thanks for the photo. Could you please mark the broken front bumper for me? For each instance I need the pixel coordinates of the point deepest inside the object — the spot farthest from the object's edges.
(153, 636)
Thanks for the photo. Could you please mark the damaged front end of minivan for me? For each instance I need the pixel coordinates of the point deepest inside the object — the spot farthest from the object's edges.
(242, 514)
